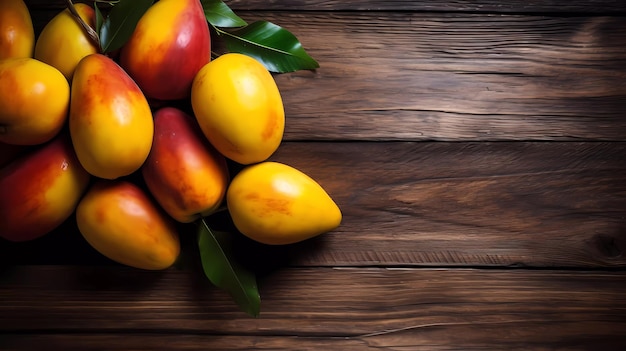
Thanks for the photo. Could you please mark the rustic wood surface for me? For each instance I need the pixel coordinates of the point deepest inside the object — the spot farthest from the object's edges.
(408, 203)
(355, 308)
(477, 150)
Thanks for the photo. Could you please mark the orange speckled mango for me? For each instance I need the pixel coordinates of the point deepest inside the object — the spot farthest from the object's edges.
(110, 120)
(276, 204)
(239, 108)
(120, 221)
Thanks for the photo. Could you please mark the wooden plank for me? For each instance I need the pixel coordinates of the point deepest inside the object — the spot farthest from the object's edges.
(516, 6)
(373, 308)
(453, 204)
(512, 6)
(113, 342)
(456, 77)
(528, 204)
(603, 336)
(421, 76)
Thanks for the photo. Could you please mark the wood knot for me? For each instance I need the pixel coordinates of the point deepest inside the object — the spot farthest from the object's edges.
(607, 245)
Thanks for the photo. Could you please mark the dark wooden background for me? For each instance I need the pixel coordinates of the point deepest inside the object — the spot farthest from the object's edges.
(478, 152)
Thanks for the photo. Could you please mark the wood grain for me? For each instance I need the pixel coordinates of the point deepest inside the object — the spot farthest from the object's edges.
(453, 204)
(477, 151)
(516, 6)
(450, 77)
(583, 336)
(536, 204)
(372, 308)
(454, 77)
(613, 7)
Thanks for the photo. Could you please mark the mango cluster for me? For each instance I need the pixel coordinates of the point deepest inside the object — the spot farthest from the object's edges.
(103, 138)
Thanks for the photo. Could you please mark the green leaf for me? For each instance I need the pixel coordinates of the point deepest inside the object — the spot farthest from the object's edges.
(99, 17)
(275, 47)
(218, 14)
(224, 272)
(121, 22)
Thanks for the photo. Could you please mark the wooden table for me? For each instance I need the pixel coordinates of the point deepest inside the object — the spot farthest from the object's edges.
(478, 152)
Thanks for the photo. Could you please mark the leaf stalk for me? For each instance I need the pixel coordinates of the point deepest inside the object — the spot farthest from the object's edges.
(87, 28)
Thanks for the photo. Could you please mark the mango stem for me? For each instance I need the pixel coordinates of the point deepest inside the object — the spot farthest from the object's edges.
(90, 31)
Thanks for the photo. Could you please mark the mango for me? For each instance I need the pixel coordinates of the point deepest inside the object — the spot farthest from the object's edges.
(276, 204)
(121, 222)
(169, 45)
(40, 190)
(239, 108)
(63, 42)
(110, 120)
(184, 172)
(34, 100)
(17, 36)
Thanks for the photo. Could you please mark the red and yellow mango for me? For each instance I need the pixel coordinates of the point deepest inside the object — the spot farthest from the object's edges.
(40, 190)
(110, 120)
(17, 36)
(170, 44)
(120, 221)
(184, 172)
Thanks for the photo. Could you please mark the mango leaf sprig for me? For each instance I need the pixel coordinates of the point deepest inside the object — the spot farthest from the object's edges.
(276, 48)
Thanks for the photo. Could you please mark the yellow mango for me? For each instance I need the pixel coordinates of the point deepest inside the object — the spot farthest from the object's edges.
(63, 41)
(239, 108)
(110, 120)
(34, 100)
(17, 36)
(121, 222)
(274, 203)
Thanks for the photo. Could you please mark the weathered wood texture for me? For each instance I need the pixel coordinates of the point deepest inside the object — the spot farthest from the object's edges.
(533, 204)
(478, 152)
(440, 76)
(517, 6)
(411, 203)
(612, 7)
(360, 309)
(433, 338)
(413, 76)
